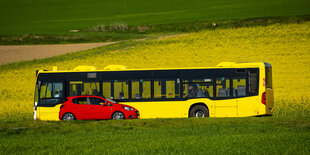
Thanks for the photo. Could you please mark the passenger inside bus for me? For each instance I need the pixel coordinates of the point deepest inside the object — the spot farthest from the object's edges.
(95, 92)
(121, 95)
(222, 92)
(56, 94)
(192, 91)
(195, 92)
(206, 93)
(137, 96)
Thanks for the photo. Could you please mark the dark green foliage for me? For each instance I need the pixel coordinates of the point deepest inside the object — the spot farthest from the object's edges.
(50, 21)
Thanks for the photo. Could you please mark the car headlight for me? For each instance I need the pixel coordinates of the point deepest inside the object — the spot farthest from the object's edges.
(128, 108)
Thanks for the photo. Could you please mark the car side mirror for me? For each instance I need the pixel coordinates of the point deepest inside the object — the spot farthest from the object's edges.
(105, 104)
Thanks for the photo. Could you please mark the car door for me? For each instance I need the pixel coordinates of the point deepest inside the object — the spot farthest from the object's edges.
(99, 109)
(81, 108)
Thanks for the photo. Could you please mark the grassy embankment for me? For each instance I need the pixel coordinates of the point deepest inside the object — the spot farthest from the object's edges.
(50, 21)
(265, 135)
(285, 46)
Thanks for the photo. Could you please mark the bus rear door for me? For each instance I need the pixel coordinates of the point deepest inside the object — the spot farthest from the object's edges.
(269, 91)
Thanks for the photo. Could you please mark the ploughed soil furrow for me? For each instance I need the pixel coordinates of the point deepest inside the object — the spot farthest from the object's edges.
(9, 54)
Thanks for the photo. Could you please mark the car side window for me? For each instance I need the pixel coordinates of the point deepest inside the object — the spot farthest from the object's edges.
(81, 100)
(96, 101)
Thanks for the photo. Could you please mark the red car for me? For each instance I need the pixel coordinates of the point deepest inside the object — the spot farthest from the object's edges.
(94, 107)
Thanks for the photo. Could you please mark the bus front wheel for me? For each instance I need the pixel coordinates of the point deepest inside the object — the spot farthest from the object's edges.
(199, 111)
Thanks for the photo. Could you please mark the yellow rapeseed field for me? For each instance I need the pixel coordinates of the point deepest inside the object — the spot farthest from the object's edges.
(285, 46)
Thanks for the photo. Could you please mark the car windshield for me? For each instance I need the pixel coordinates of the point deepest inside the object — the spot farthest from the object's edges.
(112, 101)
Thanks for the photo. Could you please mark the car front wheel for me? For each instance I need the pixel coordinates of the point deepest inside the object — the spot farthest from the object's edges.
(68, 117)
(118, 115)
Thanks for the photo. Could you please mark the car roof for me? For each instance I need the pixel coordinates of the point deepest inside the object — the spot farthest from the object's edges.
(73, 97)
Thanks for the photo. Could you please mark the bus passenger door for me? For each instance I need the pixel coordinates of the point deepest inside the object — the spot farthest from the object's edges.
(245, 91)
(225, 106)
(50, 95)
(269, 91)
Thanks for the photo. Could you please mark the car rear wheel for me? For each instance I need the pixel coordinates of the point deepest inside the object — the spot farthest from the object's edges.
(68, 117)
(118, 115)
(199, 111)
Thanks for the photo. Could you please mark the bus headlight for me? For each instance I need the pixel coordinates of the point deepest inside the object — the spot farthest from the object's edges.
(128, 108)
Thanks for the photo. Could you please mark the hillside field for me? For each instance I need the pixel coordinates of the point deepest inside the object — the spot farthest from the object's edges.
(285, 46)
(50, 21)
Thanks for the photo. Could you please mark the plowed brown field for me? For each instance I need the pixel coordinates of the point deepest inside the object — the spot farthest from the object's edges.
(9, 54)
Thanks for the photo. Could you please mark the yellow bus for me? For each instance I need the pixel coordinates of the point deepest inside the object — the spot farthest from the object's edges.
(230, 89)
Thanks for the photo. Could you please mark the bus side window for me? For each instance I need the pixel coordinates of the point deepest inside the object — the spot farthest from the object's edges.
(141, 89)
(78, 88)
(120, 89)
(166, 88)
(51, 92)
(115, 90)
(46, 90)
(239, 86)
(253, 82)
(200, 88)
(58, 90)
(107, 89)
(268, 77)
(91, 88)
(208, 90)
(222, 87)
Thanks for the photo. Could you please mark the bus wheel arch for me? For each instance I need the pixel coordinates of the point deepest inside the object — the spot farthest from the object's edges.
(198, 110)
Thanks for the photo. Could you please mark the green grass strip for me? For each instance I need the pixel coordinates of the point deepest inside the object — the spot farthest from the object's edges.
(255, 135)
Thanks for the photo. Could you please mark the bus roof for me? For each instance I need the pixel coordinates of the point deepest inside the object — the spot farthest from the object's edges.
(124, 68)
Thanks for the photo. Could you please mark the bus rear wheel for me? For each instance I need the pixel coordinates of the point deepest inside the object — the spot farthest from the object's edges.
(199, 111)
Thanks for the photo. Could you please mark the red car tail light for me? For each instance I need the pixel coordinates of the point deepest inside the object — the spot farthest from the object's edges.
(264, 98)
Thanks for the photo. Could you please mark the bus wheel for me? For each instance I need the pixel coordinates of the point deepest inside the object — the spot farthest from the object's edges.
(118, 115)
(199, 111)
(68, 117)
